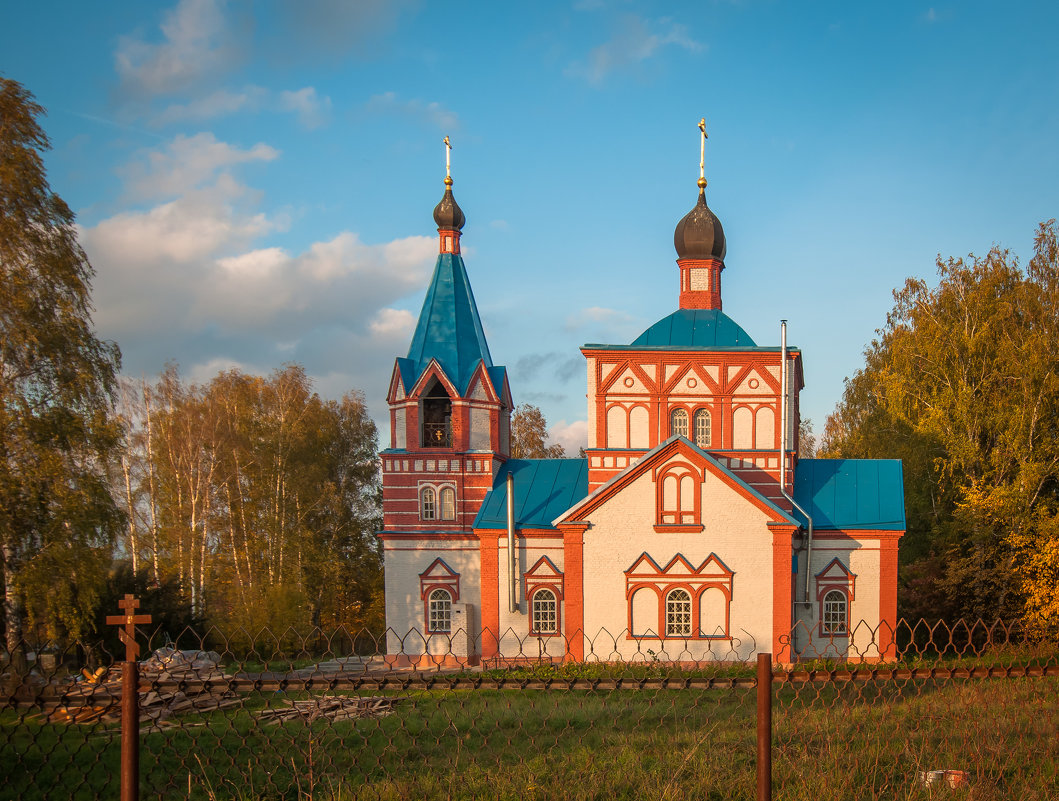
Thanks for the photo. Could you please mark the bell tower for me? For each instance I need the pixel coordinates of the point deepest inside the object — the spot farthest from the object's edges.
(450, 406)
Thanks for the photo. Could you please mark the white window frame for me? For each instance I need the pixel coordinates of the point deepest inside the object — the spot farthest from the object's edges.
(545, 612)
(678, 618)
(428, 503)
(834, 613)
(447, 503)
(439, 611)
(678, 414)
(702, 415)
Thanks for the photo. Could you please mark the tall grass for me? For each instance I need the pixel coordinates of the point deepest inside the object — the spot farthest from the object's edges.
(832, 741)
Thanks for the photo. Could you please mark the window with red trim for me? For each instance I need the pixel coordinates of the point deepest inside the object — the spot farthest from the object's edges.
(679, 600)
(678, 487)
(544, 612)
(834, 613)
(439, 612)
(701, 426)
(835, 590)
(678, 423)
(678, 613)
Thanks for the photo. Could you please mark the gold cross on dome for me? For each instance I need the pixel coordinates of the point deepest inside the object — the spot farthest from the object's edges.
(129, 620)
(448, 160)
(702, 148)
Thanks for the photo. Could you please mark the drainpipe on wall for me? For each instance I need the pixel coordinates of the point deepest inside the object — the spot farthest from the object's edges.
(512, 602)
(784, 391)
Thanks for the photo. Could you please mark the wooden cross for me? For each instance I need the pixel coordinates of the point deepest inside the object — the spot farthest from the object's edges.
(129, 620)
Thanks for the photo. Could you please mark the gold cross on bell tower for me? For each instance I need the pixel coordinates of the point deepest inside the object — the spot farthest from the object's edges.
(448, 162)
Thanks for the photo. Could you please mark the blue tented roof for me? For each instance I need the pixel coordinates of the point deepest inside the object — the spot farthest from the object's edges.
(544, 489)
(695, 328)
(851, 493)
(449, 328)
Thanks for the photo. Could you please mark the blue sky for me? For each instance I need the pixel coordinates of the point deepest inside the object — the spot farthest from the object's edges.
(255, 181)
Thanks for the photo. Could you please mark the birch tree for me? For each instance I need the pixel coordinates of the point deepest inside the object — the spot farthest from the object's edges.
(57, 382)
(963, 385)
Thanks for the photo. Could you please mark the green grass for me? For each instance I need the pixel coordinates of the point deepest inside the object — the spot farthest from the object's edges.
(841, 741)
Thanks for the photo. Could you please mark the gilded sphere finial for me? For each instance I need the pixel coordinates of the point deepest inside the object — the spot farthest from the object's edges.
(702, 183)
(448, 181)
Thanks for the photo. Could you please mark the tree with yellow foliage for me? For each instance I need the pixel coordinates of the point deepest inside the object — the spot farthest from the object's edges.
(962, 383)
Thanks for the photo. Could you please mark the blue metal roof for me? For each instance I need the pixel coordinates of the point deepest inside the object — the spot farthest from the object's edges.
(544, 489)
(851, 493)
(695, 328)
(496, 375)
(449, 328)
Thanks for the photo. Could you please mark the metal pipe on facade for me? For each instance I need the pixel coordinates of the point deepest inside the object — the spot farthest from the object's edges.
(784, 391)
(512, 604)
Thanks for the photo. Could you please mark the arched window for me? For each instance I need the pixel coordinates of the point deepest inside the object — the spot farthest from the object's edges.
(678, 423)
(439, 612)
(678, 497)
(835, 618)
(678, 613)
(702, 428)
(428, 508)
(545, 618)
(436, 415)
(448, 503)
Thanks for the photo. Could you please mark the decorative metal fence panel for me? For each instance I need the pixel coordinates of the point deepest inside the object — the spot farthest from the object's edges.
(966, 709)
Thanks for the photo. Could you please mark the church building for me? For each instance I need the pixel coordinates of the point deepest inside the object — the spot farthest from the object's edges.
(691, 529)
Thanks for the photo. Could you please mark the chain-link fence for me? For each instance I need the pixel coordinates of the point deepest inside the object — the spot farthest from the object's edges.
(970, 709)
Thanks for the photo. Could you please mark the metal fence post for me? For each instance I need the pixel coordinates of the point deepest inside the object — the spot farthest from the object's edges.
(130, 697)
(764, 727)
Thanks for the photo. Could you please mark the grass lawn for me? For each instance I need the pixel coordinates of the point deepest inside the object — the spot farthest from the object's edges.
(848, 741)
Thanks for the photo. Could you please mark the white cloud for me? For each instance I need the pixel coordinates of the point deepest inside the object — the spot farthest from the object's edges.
(394, 323)
(215, 104)
(572, 436)
(194, 46)
(312, 110)
(194, 278)
(635, 40)
(187, 163)
(433, 112)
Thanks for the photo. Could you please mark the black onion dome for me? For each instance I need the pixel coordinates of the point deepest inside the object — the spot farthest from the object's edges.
(448, 214)
(700, 235)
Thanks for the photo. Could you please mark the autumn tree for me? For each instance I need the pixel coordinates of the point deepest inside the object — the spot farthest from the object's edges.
(258, 498)
(57, 379)
(529, 435)
(806, 438)
(963, 385)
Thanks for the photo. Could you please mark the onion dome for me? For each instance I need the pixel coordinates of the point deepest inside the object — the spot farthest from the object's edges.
(699, 235)
(448, 214)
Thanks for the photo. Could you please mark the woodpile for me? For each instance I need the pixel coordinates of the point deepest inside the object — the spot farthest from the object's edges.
(331, 707)
(98, 696)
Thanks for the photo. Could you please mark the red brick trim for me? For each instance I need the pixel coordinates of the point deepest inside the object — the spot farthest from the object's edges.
(489, 561)
(574, 575)
(888, 598)
(782, 560)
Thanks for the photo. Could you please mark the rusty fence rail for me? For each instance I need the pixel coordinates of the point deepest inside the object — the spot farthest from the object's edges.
(967, 709)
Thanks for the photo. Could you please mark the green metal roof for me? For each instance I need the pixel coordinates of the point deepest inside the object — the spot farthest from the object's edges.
(449, 328)
(851, 493)
(544, 489)
(695, 328)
